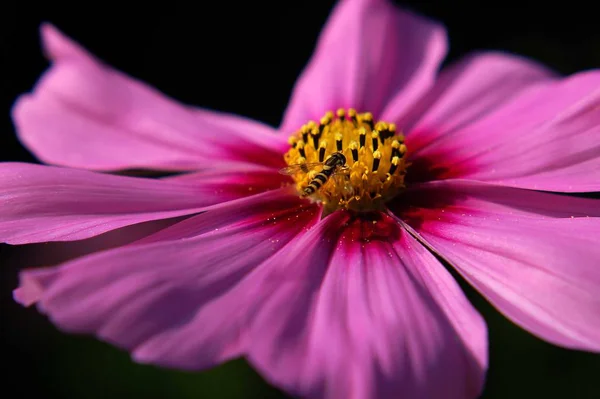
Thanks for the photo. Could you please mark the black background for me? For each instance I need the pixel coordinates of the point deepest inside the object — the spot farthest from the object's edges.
(244, 58)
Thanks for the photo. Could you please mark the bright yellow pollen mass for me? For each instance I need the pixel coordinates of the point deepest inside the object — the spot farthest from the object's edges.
(374, 156)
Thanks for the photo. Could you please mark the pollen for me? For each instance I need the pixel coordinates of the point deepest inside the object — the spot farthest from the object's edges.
(369, 172)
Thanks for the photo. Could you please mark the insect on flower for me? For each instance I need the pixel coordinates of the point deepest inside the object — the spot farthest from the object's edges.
(325, 277)
(366, 161)
(333, 167)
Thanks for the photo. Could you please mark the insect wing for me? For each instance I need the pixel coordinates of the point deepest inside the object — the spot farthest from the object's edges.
(299, 168)
(342, 180)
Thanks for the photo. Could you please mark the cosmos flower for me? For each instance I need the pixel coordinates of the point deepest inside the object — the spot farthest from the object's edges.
(327, 277)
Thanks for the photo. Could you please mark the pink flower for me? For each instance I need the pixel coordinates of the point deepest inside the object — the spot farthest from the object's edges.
(351, 305)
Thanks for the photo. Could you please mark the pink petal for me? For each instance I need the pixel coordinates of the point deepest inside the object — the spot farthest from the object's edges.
(370, 55)
(53, 253)
(176, 303)
(84, 114)
(465, 92)
(534, 255)
(44, 203)
(547, 137)
(351, 315)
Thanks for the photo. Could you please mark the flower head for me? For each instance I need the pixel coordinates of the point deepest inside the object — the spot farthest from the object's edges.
(323, 276)
(355, 173)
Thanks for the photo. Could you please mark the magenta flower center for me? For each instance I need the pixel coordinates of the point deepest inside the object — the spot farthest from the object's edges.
(347, 161)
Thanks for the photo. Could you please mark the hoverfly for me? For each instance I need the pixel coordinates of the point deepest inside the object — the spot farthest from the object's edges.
(333, 167)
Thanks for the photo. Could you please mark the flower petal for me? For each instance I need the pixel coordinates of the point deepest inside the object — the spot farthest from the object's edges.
(354, 316)
(370, 54)
(175, 303)
(44, 254)
(545, 138)
(534, 255)
(84, 114)
(465, 92)
(44, 203)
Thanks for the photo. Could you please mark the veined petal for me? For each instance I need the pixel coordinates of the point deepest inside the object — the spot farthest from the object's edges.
(370, 55)
(177, 303)
(84, 114)
(233, 181)
(362, 310)
(466, 92)
(546, 138)
(44, 254)
(534, 255)
(45, 203)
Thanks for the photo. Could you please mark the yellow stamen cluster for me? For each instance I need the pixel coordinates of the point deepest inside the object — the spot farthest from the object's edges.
(375, 160)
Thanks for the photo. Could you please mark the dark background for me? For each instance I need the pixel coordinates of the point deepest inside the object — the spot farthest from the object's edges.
(244, 58)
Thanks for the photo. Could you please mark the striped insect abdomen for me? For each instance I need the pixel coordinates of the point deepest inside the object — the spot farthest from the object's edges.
(318, 181)
(335, 160)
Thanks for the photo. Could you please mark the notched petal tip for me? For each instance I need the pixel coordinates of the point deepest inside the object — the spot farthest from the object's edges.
(57, 45)
(29, 292)
(20, 296)
(142, 357)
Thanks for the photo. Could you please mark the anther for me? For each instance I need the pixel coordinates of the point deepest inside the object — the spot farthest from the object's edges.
(341, 114)
(352, 116)
(301, 149)
(338, 141)
(322, 148)
(362, 136)
(392, 128)
(304, 132)
(402, 150)
(382, 128)
(354, 150)
(324, 122)
(375, 140)
(367, 118)
(376, 160)
(390, 131)
(394, 165)
(293, 141)
(395, 149)
(316, 134)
